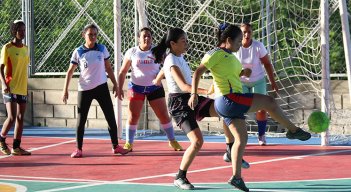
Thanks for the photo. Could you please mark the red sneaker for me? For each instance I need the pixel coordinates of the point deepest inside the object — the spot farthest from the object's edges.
(77, 154)
(120, 150)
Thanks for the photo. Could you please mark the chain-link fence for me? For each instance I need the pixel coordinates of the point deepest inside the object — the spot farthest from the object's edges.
(9, 11)
(58, 30)
(58, 25)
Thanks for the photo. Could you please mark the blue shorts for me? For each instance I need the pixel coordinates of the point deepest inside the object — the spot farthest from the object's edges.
(233, 106)
(138, 92)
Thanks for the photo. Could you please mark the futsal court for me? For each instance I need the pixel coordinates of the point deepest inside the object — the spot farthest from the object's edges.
(282, 165)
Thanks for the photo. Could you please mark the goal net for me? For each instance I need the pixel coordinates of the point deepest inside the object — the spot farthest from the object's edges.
(290, 30)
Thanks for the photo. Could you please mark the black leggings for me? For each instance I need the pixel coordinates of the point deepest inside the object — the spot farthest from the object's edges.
(102, 95)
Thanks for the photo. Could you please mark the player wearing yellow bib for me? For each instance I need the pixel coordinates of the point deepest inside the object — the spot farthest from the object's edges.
(230, 102)
(14, 62)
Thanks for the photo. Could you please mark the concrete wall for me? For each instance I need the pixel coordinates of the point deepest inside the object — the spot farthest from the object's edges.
(45, 108)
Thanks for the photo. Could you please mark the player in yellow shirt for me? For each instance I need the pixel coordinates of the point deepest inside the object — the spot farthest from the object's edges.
(230, 102)
(14, 62)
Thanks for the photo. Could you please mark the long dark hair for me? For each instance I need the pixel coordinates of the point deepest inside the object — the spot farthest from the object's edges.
(226, 30)
(159, 50)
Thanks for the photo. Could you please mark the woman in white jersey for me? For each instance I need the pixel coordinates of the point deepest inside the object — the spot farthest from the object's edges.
(230, 102)
(144, 70)
(93, 61)
(14, 62)
(178, 76)
(253, 55)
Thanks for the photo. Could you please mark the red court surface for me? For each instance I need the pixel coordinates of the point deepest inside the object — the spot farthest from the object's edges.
(153, 162)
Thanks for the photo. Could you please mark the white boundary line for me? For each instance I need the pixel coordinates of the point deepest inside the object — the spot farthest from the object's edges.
(195, 171)
(47, 179)
(44, 147)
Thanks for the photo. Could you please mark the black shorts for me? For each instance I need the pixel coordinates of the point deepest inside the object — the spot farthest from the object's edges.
(183, 115)
(9, 97)
(137, 92)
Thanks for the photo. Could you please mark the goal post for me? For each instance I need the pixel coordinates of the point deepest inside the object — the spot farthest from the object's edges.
(117, 60)
(325, 92)
(300, 36)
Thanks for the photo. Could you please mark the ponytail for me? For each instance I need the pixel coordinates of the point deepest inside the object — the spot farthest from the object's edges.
(225, 31)
(159, 50)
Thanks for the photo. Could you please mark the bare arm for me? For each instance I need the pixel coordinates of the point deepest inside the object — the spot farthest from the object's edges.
(68, 78)
(201, 69)
(158, 80)
(122, 76)
(5, 87)
(111, 75)
(269, 70)
(180, 80)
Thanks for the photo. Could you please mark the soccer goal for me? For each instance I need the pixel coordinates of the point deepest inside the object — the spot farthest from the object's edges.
(303, 37)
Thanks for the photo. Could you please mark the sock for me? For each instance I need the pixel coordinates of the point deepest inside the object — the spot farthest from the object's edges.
(168, 128)
(2, 138)
(16, 143)
(229, 147)
(130, 132)
(261, 127)
(181, 174)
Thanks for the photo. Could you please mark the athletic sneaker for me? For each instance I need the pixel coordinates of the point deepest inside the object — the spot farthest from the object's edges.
(238, 183)
(20, 151)
(4, 148)
(300, 134)
(128, 146)
(244, 164)
(175, 145)
(262, 140)
(77, 154)
(120, 150)
(183, 183)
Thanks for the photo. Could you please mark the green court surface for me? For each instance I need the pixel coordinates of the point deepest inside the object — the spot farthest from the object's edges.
(330, 185)
(151, 167)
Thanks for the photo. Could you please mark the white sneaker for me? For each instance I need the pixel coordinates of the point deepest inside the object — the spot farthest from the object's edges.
(228, 159)
(183, 183)
(262, 140)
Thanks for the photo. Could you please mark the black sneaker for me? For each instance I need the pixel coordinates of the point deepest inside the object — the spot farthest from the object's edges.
(228, 159)
(238, 183)
(4, 148)
(183, 183)
(300, 134)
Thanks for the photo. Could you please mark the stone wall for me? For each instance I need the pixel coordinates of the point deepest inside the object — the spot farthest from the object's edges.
(45, 108)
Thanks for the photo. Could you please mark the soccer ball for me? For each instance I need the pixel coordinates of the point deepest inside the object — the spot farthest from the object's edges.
(318, 122)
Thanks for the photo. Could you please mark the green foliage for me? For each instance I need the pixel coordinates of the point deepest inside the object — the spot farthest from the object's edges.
(9, 11)
(294, 22)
